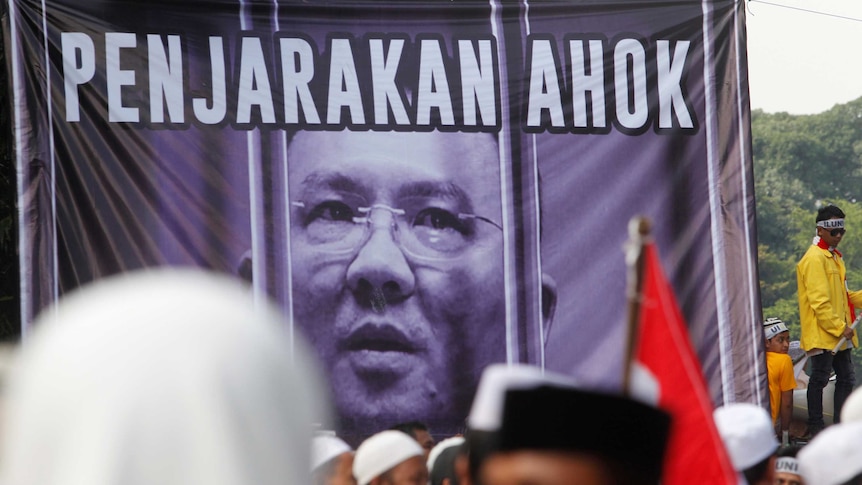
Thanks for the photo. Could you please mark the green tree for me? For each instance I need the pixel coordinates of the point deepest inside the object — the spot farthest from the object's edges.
(800, 164)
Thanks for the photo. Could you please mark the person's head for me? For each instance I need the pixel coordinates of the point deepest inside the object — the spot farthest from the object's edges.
(834, 456)
(532, 427)
(397, 269)
(331, 461)
(168, 376)
(390, 457)
(441, 461)
(747, 432)
(419, 432)
(830, 225)
(777, 336)
(787, 467)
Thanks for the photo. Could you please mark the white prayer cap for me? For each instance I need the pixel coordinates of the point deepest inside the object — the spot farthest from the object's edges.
(852, 409)
(168, 376)
(834, 456)
(747, 432)
(325, 447)
(382, 452)
(772, 327)
(442, 446)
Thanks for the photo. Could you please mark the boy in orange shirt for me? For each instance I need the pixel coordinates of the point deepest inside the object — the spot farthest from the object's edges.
(779, 368)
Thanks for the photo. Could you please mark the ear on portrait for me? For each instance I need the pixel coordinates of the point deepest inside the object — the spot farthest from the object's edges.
(549, 303)
(245, 268)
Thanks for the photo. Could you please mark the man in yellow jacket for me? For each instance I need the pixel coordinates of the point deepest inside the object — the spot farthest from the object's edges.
(826, 313)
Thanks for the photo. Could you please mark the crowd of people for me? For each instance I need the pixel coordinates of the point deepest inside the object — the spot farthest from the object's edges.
(530, 427)
(180, 376)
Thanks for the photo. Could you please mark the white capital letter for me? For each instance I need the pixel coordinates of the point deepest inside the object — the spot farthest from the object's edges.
(433, 85)
(630, 115)
(477, 83)
(165, 79)
(383, 71)
(670, 84)
(253, 83)
(74, 76)
(117, 78)
(544, 86)
(297, 70)
(342, 72)
(583, 83)
(211, 116)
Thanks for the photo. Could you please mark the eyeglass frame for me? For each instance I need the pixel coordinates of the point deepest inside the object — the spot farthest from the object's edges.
(833, 232)
(396, 214)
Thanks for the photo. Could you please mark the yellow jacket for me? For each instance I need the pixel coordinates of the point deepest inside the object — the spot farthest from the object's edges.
(823, 308)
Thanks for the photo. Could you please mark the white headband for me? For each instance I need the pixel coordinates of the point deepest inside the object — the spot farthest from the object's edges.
(773, 327)
(787, 464)
(831, 224)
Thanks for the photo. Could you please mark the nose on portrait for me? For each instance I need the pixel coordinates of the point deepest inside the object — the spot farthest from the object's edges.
(380, 273)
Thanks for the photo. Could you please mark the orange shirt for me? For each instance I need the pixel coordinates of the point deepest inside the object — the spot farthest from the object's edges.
(779, 370)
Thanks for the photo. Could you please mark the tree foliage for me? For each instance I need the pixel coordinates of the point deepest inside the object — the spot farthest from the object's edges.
(800, 164)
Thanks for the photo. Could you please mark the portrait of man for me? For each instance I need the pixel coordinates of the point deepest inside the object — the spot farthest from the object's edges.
(376, 171)
(397, 269)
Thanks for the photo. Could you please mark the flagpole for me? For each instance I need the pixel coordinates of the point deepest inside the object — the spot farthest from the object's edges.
(639, 230)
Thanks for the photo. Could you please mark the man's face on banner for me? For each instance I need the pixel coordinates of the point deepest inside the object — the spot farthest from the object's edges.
(396, 251)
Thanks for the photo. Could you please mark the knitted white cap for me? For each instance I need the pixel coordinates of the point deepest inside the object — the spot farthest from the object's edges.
(834, 456)
(747, 433)
(325, 448)
(382, 452)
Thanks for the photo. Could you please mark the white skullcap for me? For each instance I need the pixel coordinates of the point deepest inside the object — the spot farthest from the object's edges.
(852, 410)
(382, 452)
(773, 327)
(747, 433)
(325, 448)
(442, 446)
(834, 456)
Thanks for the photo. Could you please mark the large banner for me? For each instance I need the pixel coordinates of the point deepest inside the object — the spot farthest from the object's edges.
(426, 187)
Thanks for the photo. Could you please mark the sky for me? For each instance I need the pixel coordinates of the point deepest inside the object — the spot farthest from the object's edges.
(803, 62)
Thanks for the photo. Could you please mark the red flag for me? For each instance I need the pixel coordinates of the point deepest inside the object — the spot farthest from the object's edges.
(695, 451)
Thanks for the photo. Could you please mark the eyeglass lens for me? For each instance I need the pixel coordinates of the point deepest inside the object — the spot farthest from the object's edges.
(423, 230)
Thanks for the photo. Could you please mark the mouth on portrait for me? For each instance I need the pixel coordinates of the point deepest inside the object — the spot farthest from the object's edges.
(377, 350)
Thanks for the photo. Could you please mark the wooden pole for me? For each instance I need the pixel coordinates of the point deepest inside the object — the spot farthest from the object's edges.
(639, 231)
